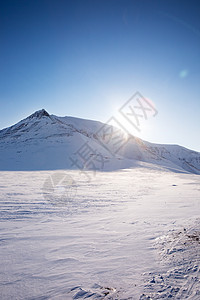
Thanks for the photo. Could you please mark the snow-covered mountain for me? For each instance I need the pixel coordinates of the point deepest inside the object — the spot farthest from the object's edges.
(47, 142)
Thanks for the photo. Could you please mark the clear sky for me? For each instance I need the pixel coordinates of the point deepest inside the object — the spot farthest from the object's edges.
(86, 58)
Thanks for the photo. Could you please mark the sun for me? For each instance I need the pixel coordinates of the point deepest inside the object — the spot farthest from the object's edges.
(134, 117)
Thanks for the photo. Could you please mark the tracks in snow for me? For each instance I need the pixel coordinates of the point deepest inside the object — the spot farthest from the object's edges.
(179, 253)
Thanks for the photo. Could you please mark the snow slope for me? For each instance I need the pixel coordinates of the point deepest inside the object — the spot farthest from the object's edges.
(77, 234)
(47, 142)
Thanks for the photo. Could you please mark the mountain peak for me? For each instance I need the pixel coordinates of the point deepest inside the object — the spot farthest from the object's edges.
(39, 114)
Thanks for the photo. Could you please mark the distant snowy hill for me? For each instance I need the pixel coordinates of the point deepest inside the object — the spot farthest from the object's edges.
(47, 142)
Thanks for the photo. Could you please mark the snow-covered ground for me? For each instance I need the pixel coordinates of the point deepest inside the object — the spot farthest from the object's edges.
(129, 234)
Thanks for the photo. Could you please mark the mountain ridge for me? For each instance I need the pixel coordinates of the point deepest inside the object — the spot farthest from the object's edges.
(43, 141)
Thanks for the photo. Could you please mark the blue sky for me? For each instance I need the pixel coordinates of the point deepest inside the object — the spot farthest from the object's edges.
(87, 58)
